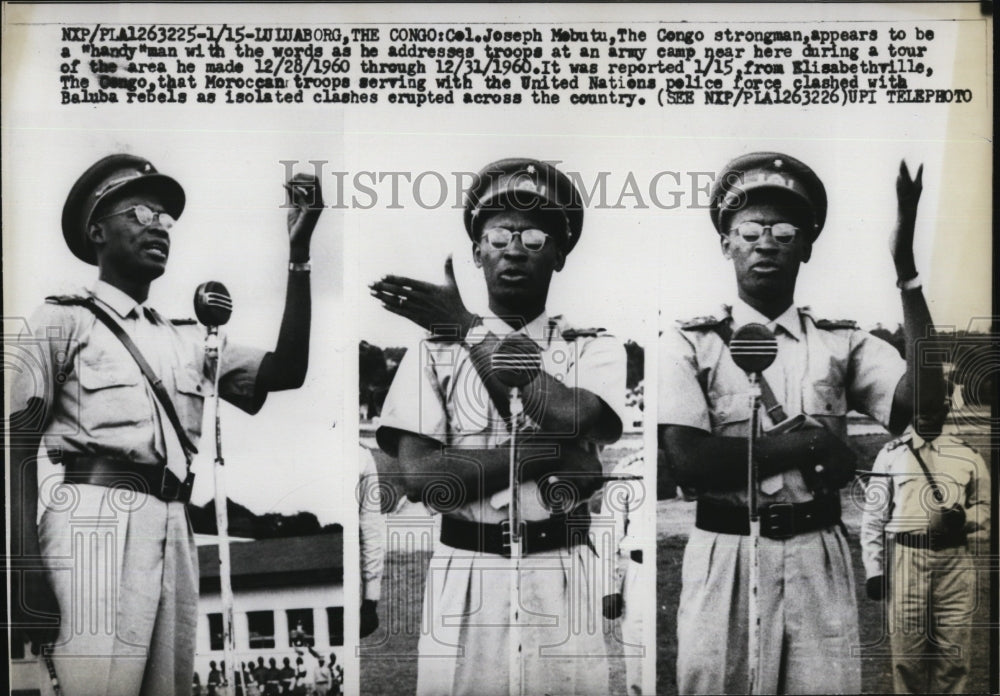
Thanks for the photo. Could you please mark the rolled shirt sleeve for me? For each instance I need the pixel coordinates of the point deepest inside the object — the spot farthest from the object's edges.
(238, 377)
(877, 510)
(876, 368)
(32, 357)
(602, 371)
(415, 402)
(681, 399)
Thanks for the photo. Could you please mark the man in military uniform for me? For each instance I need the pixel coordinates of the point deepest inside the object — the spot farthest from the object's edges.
(446, 418)
(768, 209)
(117, 556)
(930, 495)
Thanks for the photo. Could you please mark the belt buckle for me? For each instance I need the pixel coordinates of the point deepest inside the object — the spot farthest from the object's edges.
(778, 521)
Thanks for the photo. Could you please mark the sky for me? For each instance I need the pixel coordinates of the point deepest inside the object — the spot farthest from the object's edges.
(635, 260)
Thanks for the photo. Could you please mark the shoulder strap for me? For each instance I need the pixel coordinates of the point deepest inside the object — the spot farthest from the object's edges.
(771, 404)
(155, 382)
(935, 488)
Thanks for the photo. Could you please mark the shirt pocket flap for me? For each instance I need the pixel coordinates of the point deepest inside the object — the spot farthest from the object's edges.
(731, 408)
(104, 374)
(188, 381)
(825, 400)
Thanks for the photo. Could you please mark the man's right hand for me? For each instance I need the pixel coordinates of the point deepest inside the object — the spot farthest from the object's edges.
(35, 614)
(831, 470)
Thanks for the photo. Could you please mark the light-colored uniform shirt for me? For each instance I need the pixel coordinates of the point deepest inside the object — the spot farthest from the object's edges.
(437, 393)
(822, 370)
(372, 528)
(898, 496)
(97, 400)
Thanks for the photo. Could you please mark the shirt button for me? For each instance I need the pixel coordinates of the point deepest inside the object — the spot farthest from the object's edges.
(541, 535)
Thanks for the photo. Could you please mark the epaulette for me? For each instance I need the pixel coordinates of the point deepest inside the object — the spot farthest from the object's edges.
(183, 322)
(964, 443)
(558, 324)
(898, 442)
(828, 324)
(65, 299)
(705, 322)
(573, 334)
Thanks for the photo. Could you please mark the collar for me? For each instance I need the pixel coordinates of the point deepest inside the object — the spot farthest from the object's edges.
(788, 320)
(120, 302)
(538, 329)
(920, 443)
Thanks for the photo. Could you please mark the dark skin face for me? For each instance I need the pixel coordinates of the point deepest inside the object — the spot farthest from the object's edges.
(130, 256)
(766, 270)
(517, 280)
(929, 426)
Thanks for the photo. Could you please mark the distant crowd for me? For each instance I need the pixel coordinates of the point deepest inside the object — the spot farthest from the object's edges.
(324, 679)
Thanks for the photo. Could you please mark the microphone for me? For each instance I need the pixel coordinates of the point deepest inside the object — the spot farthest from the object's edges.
(516, 361)
(753, 348)
(213, 305)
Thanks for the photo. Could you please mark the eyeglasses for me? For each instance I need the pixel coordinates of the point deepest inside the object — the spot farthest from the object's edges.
(145, 216)
(782, 232)
(500, 238)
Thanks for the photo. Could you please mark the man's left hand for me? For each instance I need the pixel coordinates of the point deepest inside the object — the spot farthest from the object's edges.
(908, 190)
(437, 308)
(306, 196)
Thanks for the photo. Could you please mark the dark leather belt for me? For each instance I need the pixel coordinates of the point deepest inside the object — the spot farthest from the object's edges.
(152, 479)
(777, 520)
(922, 540)
(557, 532)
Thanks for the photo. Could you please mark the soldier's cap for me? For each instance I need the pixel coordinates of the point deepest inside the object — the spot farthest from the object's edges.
(759, 171)
(113, 175)
(521, 183)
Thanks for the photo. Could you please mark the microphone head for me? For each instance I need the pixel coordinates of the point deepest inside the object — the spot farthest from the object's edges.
(516, 361)
(213, 304)
(753, 348)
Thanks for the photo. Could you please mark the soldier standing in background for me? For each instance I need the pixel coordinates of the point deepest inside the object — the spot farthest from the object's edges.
(929, 495)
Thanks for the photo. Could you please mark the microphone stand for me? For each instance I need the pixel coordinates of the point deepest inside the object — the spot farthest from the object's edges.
(753, 500)
(213, 347)
(514, 534)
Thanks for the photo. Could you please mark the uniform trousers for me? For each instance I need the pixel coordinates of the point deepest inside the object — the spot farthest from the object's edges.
(931, 601)
(124, 569)
(809, 617)
(466, 639)
(631, 628)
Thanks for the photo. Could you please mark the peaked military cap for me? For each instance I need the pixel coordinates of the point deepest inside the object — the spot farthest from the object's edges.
(114, 174)
(521, 183)
(767, 170)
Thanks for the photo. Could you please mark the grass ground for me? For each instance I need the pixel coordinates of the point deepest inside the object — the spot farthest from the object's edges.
(388, 657)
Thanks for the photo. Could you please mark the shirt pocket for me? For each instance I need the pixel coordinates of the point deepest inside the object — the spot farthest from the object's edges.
(825, 400)
(113, 395)
(730, 411)
(190, 400)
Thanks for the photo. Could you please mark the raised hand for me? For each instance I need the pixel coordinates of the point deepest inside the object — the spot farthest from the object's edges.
(908, 190)
(437, 308)
(306, 195)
